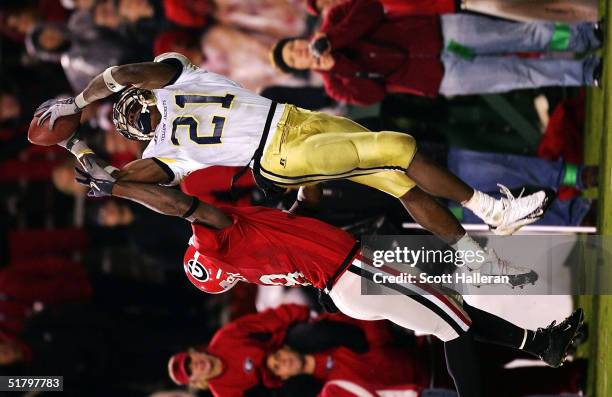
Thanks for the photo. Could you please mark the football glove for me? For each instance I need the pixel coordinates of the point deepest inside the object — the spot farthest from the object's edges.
(99, 181)
(62, 107)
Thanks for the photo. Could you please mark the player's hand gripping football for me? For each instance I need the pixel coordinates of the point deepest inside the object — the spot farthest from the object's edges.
(62, 107)
(99, 181)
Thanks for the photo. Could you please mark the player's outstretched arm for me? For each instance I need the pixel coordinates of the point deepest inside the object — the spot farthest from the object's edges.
(149, 75)
(172, 202)
(161, 199)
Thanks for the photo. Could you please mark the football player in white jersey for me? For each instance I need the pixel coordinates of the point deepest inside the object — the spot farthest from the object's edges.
(196, 119)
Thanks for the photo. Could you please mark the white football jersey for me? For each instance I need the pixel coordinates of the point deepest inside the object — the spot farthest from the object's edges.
(206, 120)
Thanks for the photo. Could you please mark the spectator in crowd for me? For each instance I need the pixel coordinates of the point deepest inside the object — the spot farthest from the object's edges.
(274, 18)
(520, 10)
(363, 55)
(83, 54)
(237, 357)
(484, 170)
(224, 49)
(22, 15)
(243, 57)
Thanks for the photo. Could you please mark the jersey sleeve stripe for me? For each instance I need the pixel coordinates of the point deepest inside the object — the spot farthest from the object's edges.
(179, 69)
(165, 168)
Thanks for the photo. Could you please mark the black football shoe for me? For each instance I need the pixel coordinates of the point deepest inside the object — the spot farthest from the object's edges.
(560, 337)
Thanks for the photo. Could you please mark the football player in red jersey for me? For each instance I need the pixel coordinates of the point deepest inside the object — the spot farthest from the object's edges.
(269, 246)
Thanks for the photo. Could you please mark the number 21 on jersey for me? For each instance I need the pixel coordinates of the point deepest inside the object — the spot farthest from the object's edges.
(192, 123)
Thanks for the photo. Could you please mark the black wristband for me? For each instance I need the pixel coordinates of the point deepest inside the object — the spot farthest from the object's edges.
(194, 205)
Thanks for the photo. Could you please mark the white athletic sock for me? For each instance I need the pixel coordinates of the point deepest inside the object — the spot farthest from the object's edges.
(468, 244)
(484, 207)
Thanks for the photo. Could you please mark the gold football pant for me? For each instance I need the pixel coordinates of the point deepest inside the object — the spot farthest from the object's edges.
(309, 147)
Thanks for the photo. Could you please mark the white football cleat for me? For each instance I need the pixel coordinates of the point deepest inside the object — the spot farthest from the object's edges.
(518, 276)
(511, 213)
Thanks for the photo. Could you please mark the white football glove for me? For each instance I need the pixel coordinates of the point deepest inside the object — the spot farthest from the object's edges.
(63, 107)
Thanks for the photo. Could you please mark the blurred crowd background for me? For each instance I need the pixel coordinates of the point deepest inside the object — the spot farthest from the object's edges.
(96, 286)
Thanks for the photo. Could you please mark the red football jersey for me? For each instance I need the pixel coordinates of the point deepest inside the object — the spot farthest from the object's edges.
(269, 247)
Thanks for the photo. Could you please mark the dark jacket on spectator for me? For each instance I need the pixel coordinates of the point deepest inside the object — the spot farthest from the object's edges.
(375, 54)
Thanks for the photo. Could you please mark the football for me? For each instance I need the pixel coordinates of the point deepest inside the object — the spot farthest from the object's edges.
(62, 129)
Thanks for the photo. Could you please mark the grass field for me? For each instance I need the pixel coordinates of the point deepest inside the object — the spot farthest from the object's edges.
(598, 150)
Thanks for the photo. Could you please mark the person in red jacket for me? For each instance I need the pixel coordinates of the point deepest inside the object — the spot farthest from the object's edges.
(520, 10)
(392, 7)
(362, 54)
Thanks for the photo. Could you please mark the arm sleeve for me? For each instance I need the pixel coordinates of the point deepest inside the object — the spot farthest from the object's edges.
(351, 20)
(355, 91)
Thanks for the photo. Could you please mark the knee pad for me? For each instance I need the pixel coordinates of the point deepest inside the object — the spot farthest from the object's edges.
(398, 148)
